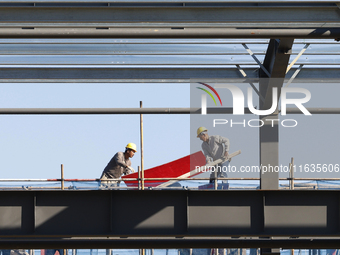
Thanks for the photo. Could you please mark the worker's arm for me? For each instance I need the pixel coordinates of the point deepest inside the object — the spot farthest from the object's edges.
(208, 157)
(119, 158)
(225, 142)
(130, 170)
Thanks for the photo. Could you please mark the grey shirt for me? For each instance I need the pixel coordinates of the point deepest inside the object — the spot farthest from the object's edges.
(213, 148)
(117, 166)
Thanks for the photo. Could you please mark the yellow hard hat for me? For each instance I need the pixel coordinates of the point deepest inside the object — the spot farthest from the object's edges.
(131, 146)
(200, 130)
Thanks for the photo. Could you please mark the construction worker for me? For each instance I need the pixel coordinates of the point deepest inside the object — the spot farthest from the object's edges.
(214, 147)
(120, 164)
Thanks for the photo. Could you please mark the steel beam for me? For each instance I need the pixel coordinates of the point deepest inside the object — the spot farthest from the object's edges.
(98, 74)
(169, 213)
(90, 111)
(168, 19)
(118, 74)
(113, 60)
(165, 47)
(81, 111)
(115, 14)
(276, 61)
(157, 32)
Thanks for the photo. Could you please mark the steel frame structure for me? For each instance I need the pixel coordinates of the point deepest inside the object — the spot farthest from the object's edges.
(155, 60)
(35, 214)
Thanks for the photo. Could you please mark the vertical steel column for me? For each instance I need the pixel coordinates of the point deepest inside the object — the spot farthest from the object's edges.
(141, 145)
(276, 61)
(62, 176)
(291, 175)
(269, 152)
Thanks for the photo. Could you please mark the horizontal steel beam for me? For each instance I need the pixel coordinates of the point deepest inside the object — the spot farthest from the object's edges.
(233, 3)
(118, 74)
(160, 49)
(169, 213)
(81, 111)
(53, 111)
(176, 1)
(102, 74)
(173, 31)
(168, 19)
(157, 59)
(100, 42)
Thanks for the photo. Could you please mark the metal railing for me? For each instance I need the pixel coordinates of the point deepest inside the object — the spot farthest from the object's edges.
(156, 183)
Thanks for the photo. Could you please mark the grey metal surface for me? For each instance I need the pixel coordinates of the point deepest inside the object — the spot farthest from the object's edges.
(118, 74)
(169, 1)
(158, 31)
(168, 19)
(160, 58)
(152, 60)
(275, 62)
(177, 59)
(143, 74)
(157, 41)
(165, 213)
(132, 60)
(269, 151)
(153, 47)
(322, 14)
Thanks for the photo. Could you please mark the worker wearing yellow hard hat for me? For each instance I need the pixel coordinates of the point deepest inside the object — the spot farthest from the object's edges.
(200, 130)
(214, 147)
(119, 164)
(131, 146)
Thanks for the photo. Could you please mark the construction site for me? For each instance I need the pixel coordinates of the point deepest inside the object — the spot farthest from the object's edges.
(149, 127)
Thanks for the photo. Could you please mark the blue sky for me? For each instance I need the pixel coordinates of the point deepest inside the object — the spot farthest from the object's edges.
(34, 146)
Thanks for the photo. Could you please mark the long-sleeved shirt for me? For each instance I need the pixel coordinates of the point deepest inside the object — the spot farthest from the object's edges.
(117, 166)
(213, 148)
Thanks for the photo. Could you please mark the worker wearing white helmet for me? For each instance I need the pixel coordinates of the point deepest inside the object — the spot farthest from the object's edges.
(214, 147)
(120, 164)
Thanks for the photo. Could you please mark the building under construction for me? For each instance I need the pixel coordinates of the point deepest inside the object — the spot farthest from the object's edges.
(264, 45)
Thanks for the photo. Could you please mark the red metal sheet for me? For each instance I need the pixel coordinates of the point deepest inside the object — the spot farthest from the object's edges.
(172, 169)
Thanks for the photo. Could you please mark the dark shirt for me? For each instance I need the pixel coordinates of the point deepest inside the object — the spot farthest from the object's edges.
(117, 166)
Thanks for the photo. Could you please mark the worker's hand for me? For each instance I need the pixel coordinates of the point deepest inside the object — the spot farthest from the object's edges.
(131, 169)
(226, 156)
(209, 160)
